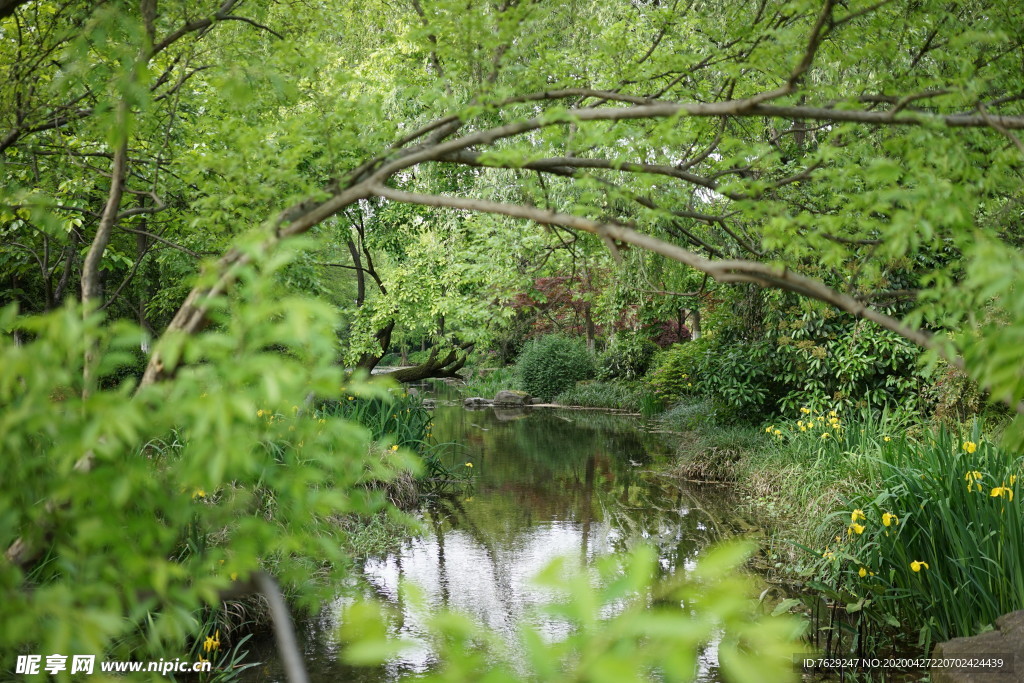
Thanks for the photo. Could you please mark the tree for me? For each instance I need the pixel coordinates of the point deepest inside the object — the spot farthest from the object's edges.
(782, 118)
(771, 159)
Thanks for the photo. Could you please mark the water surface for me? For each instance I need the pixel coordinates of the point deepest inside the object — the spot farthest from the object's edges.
(546, 483)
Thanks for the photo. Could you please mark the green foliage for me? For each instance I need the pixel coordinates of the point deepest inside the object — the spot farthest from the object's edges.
(227, 124)
(398, 418)
(675, 370)
(820, 360)
(614, 395)
(211, 475)
(850, 439)
(956, 508)
(687, 415)
(553, 363)
(623, 624)
(739, 377)
(802, 477)
(628, 357)
(734, 376)
(488, 382)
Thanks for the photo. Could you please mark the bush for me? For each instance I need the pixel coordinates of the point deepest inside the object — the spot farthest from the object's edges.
(627, 357)
(216, 473)
(822, 361)
(676, 370)
(552, 364)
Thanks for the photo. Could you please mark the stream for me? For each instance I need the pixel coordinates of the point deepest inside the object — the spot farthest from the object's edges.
(547, 483)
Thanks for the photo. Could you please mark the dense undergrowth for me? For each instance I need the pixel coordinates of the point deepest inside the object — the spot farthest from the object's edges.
(911, 530)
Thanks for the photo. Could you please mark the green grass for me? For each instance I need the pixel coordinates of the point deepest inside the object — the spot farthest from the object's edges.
(949, 561)
(801, 470)
(689, 415)
(400, 421)
(400, 418)
(486, 382)
(610, 395)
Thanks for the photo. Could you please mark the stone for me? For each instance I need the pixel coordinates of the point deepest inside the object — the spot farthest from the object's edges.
(477, 402)
(511, 398)
(1006, 642)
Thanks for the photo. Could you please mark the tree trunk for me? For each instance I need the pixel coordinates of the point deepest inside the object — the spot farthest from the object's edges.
(590, 327)
(368, 361)
(694, 324)
(91, 282)
(360, 277)
(448, 366)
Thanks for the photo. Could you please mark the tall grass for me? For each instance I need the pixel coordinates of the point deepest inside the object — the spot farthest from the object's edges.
(942, 542)
(828, 440)
(620, 395)
(915, 533)
(810, 466)
(486, 382)
(400, 420)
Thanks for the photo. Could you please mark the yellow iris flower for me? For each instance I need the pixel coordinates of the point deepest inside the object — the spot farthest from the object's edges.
(212, 642)
(1002, 492)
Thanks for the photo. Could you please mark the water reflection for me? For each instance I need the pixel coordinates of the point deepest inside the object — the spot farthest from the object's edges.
(549, 484)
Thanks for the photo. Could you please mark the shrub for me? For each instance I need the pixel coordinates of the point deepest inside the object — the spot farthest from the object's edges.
(821, 361)
(740, 378)
(552, 364)
(676, 370)
(214, 474)
(627, 357)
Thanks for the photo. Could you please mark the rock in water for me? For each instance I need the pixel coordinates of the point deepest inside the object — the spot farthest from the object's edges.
(1006, 643)
(511, 398)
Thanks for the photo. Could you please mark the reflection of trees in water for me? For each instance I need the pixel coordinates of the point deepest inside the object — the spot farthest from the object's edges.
(448, 511)
(553, 437)
(570, 469)
(585, 467)
(677, 520)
